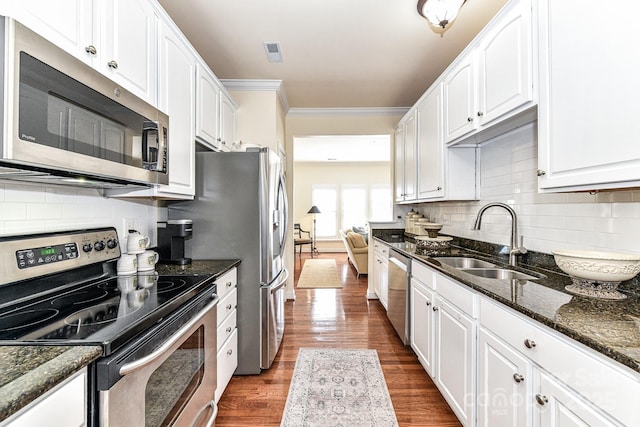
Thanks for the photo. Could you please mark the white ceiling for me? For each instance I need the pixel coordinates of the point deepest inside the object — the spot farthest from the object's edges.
(337, 53)
(348, 148)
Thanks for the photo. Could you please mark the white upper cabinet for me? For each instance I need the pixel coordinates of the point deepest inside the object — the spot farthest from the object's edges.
(405, 158)
(588, 111)
(493, 79)
(177, 90)
(128, 34)
(118, 38)
(444, 173)
(459, 104)
(216, 113)
(504, 61)
(208, 108)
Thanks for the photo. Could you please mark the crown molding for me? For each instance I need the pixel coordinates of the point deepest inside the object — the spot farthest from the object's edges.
(259, 85)
(365, 111)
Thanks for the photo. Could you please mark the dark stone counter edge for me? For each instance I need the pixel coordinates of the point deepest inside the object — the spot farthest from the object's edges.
(391, 236)
(56, 363)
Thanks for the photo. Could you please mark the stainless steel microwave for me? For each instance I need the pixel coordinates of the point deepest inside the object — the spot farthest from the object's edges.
(63, 120)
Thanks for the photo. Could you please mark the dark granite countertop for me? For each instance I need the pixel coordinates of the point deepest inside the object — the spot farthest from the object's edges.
(26, 372)
(611, 327)
(215, 267)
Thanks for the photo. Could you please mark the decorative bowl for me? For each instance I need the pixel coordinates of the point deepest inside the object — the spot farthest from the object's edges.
(598, 266)
(431, 228)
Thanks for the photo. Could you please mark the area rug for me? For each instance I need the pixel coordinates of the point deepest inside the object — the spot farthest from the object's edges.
(319, 273)
(338, 388)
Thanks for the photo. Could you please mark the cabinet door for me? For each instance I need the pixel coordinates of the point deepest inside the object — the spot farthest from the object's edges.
(67, 24)
(560, 407)
(587, 115)
(177, 90)
(455, 356)
(422, 324)
(227, 121)
(430, 145)
(128, 55)
(398, 163)
(504, 384)
(459, 110)
(505, 70)
(410, 158)
(208, 108)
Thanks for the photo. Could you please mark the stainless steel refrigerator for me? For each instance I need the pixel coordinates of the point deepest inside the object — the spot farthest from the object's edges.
(240, 211)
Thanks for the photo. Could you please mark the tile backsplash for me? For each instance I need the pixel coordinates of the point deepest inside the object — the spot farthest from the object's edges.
(31, 208)
(508, 165)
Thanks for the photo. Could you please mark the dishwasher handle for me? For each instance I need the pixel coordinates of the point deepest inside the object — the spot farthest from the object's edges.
(399, 260)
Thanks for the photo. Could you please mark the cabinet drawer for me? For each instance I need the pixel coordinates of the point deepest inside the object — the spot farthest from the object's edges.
(227, 363)
(227, 305)
(227, 282)
(609, 385)
(226, 328)
(423, 273)
(456, 294)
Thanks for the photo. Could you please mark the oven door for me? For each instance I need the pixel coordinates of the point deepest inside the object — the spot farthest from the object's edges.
(173, 385)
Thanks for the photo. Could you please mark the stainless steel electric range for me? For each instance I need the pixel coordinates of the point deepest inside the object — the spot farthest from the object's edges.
(157, 332)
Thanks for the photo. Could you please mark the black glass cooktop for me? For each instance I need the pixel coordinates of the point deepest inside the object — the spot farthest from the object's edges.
(107, 312)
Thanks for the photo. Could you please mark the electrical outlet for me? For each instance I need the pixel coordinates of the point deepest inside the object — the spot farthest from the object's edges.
(129, 224)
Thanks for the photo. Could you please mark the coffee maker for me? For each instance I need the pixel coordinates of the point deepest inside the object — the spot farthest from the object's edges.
(171, 237)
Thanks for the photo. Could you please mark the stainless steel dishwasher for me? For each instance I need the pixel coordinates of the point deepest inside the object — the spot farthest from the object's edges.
(398, 274)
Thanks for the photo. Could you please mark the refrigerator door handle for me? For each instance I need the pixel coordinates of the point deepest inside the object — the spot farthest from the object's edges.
(275, 288)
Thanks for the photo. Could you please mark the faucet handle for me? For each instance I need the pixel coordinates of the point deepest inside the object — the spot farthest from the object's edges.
(521, 250)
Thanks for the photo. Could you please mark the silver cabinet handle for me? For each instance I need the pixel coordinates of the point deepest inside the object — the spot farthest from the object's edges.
(428, 303)
(229, 306)
(229, 329)
(518, 377)
(540, 172)
(469, 119)
(229, 284)
(91, 49)
(480, 114)
(435, 308)
(541, 399)
(113, 64)
(229, 352)
(212, 419)
(529, 343)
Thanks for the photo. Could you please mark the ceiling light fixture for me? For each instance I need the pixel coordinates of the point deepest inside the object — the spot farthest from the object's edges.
(439, 12)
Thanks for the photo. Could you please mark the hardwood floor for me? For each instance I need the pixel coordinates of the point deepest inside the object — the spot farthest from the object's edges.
(336, 318)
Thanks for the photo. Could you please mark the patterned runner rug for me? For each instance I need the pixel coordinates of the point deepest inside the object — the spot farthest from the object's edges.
(319, 273)
(338, 388)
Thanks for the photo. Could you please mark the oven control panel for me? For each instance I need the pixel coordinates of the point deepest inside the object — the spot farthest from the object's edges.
(46, 254)
(49, 253)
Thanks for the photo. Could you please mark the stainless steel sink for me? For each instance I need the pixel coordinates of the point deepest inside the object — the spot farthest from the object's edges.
(499, 274)
(464, 262)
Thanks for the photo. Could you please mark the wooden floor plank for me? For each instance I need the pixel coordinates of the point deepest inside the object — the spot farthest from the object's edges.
(336, 318)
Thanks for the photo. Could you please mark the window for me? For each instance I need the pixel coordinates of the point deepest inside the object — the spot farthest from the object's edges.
(355, 205)
(325, 198)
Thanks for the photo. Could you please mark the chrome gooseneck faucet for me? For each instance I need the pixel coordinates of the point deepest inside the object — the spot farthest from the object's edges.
(515, 248)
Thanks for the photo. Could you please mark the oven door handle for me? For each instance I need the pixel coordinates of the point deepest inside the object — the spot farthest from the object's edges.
(151, 357)
(212, 419)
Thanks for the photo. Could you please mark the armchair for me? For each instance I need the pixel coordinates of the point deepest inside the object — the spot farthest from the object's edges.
(299, 240)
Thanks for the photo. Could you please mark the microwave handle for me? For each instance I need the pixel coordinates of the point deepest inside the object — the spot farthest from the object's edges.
(154, 157)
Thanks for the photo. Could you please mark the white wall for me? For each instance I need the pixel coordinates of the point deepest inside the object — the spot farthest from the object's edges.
(508, 164)
(30, 208)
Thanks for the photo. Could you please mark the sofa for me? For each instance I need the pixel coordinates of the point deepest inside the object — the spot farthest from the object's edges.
(357, 250)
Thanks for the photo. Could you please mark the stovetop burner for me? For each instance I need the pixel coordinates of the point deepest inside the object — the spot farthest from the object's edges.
(97, 313)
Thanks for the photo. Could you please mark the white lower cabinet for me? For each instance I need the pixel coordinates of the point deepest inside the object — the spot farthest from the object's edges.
(496, 367)
(444, 336)
(379, 272)
(227, 333)
(504, 377)
(569, 384)
(64, 405)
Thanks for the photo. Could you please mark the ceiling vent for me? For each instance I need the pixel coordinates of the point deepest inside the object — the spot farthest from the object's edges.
(274, 54)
